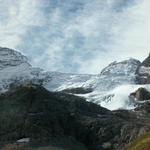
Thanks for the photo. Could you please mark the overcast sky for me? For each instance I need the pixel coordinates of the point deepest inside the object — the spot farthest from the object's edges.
(77, 36)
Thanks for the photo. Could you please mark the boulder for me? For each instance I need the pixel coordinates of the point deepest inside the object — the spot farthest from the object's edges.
(141, 94)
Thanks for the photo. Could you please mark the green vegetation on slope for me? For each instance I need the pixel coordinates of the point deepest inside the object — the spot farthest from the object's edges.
(141, 143)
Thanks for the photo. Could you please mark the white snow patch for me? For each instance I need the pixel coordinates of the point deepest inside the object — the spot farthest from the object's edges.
(121, 98)
(118, 98)
(23, 140)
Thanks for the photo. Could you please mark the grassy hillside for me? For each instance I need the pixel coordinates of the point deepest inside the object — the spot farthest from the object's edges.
(141, 143)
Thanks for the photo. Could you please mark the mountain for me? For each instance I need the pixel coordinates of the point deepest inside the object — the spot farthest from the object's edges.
(11, 58)
(15, 69)
(60, 121)
(104, 89)
(118, 73)
(114, 85)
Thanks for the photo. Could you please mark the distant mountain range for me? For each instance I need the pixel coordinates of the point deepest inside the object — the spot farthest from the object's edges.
(110, 88)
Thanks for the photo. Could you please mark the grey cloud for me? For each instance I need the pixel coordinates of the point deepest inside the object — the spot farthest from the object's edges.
(73, 35)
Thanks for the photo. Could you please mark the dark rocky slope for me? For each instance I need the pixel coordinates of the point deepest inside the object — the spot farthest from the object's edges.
(141, 94)
(143, 72)
(65, 121)
(79, 90)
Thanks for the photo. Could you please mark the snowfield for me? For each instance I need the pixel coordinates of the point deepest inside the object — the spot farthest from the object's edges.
(117, 98)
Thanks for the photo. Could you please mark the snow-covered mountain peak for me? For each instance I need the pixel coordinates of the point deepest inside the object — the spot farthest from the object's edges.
(126, 67)
(15, 70)
(117, 73)
(11, 58)
(114, 85)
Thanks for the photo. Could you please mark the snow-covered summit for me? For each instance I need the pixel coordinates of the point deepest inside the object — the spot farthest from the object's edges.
(15, 70)
(118, 73)
(126, 67)
(9, 58)
(114, 85)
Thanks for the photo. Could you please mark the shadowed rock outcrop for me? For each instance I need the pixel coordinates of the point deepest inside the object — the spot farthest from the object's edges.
(141, 94)
(143, 72)
(79, 90)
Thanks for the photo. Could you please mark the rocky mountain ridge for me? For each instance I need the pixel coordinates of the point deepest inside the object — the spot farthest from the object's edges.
(143, 72)
(9, 57)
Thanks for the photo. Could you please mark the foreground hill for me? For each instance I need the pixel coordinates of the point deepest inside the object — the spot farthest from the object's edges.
(64, 122)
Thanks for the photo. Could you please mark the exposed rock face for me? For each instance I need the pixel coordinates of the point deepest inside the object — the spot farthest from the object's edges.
(141, 94)
(146, 62)
(10, 58)
(143, 72)
(143, 107)
(78, 90)
(30, 111)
